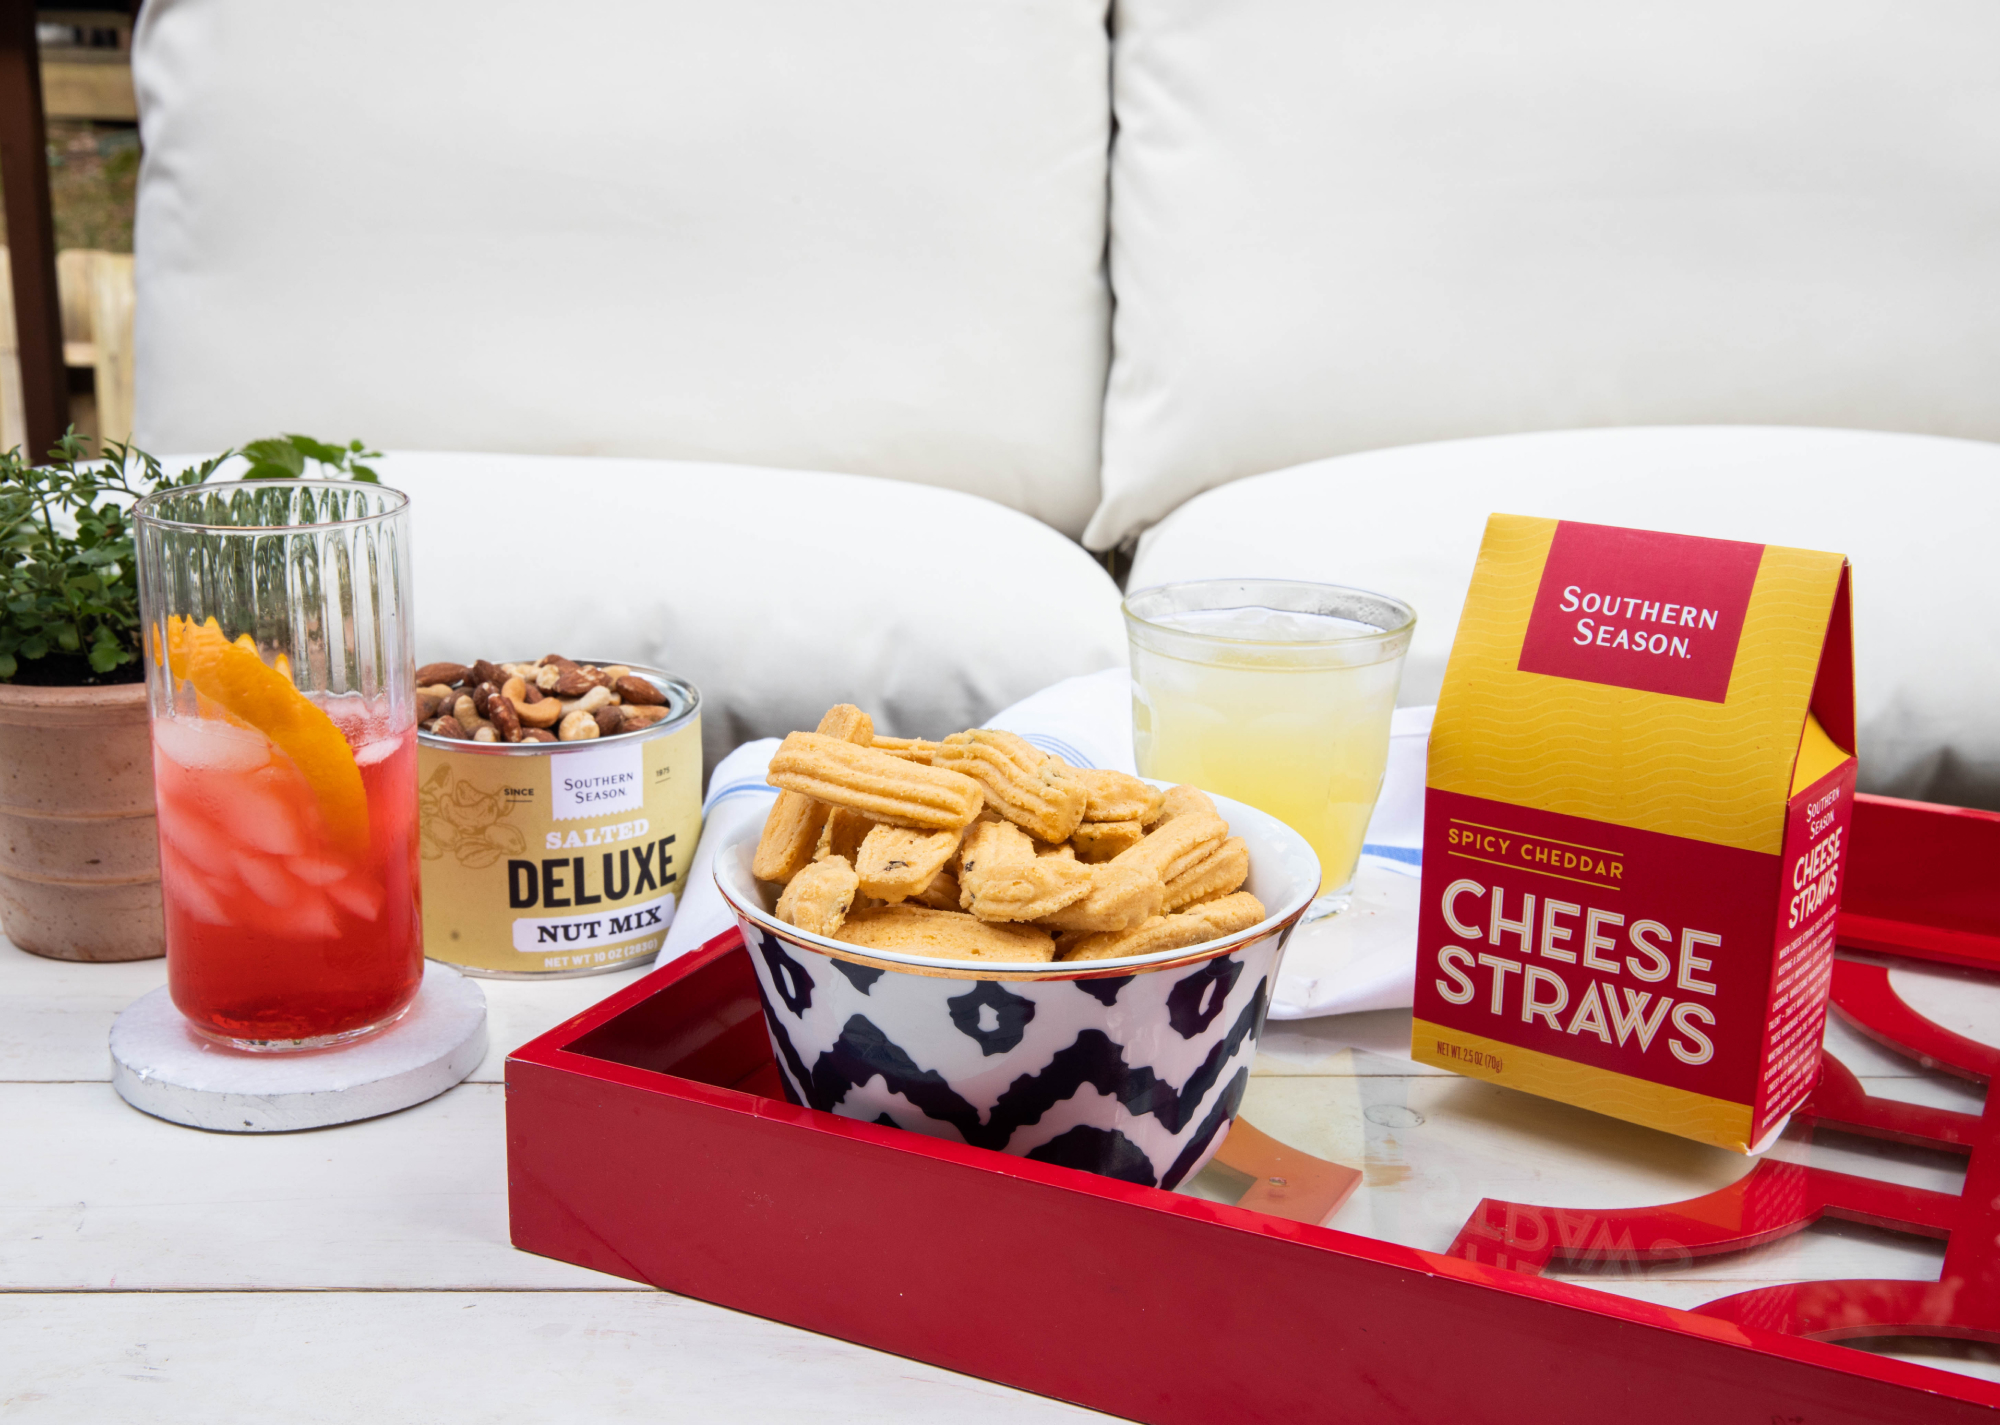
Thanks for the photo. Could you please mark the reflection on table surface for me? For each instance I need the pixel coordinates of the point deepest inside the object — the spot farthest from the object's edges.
(1430, 1146)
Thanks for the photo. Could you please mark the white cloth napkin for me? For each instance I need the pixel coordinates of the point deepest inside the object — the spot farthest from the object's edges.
(1363, 958)
(738, 797)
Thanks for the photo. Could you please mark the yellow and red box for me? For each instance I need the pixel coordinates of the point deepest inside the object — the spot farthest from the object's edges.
(1640, 783)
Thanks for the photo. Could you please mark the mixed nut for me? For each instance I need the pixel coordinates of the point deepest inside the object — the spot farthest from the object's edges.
(554, 699)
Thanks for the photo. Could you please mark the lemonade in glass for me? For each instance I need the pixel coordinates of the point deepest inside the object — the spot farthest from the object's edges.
(281, 680)
(1277, 693)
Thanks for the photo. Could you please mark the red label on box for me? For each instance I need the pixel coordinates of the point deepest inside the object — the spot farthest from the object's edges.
(1815, 855)
(1626, 950)
(1630, 608)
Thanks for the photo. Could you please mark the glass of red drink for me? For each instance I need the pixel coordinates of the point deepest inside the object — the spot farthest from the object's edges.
(281, 674)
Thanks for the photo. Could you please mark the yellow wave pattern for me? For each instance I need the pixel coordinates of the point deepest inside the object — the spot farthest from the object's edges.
(1678, 1111)
(1714, 772)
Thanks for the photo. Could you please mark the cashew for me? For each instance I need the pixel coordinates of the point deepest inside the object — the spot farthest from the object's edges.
(441, 691)
(545, 713)
(577, 727)
(590, 702)
(486, 734)
(617, 671)
(465, 712)
(514, 690)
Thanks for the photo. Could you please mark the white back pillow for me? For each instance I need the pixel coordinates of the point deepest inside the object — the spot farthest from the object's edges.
(1345, 224)
(1914, 514)
(864, 236)
(778, 593)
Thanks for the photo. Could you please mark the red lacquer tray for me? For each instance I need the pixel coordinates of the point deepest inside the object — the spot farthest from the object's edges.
(648, 1137)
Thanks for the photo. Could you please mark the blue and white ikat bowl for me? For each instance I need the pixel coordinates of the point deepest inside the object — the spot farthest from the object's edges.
(1133, 1068)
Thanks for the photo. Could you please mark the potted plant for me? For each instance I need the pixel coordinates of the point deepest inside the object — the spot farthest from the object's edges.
(79, 858)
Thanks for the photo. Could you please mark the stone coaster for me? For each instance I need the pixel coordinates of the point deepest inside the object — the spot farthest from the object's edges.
(162, 1067)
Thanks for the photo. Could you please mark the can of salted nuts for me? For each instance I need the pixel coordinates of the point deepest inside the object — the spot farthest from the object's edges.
(553, 859)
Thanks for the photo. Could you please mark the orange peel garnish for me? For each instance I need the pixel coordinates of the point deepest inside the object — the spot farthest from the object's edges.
(234, 679)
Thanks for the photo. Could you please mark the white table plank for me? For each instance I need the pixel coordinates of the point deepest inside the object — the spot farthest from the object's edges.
(428, 1357)
(55, 1015)
(107, 1197)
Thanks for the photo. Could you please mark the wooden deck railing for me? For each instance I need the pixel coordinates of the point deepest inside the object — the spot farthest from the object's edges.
(96, 305)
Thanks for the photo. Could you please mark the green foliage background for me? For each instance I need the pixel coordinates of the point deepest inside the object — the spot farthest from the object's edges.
(69, 584)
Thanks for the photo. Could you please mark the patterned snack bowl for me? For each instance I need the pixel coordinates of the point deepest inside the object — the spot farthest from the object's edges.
(1132, 1068)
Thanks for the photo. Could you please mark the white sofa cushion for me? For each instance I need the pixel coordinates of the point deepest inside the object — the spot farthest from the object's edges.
(863, 237)
(1339, 225)
(1915, 514)
(776, 592)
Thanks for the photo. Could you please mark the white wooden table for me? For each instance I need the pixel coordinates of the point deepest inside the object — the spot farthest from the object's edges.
(156, 1272)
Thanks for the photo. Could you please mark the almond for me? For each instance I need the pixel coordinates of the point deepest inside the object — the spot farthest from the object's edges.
(636, 691)
(451, 673)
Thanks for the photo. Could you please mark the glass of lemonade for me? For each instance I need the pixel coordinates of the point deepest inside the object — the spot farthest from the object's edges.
(281, 677)
(1276, 693)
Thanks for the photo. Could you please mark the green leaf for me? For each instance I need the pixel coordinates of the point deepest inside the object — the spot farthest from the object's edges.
(318, 450)
(278, 451)
(107, 653)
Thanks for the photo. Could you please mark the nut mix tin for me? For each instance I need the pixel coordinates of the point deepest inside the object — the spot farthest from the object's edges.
(556, 859)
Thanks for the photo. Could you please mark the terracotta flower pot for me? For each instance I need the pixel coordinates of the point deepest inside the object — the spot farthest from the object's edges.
(79, 858)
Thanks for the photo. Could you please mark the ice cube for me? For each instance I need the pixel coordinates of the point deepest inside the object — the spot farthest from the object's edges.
(257, 815)
(315, 872)
(207, 746)
(358, 897)
(268, 881)
(195, 838)
(311, 919)
(182, 885)
(380, 750)
(1256, 624)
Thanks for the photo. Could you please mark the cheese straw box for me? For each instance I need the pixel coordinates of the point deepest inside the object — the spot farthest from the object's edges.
(1635, 825)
